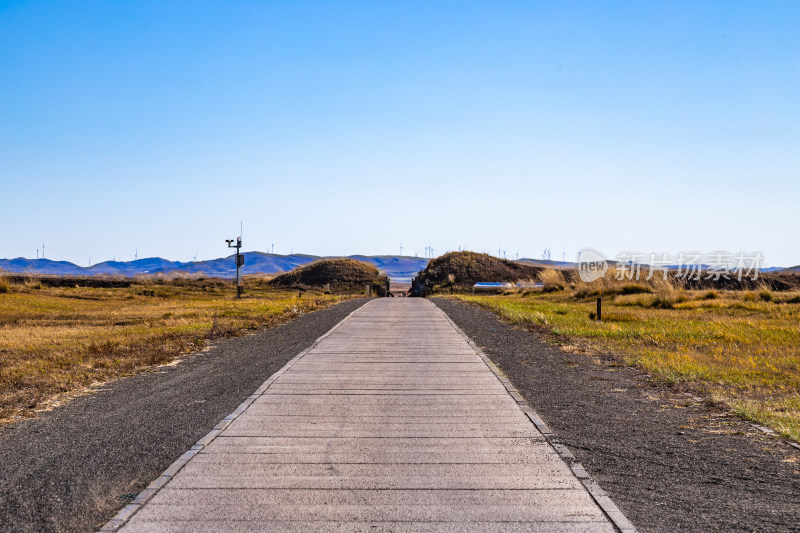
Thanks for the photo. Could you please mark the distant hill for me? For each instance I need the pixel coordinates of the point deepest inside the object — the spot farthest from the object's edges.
(548, 263)
(463, 269)
(398, 268)
(336, 274)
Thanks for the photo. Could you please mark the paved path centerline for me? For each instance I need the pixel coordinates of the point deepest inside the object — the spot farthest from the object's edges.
(314, 451)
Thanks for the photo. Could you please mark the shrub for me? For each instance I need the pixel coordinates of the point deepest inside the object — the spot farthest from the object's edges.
(766, 296)
(587, 293)
(663, 301)
(633, 288)
(620, 317)
(553, 280)
(710, 295)
(553, 288)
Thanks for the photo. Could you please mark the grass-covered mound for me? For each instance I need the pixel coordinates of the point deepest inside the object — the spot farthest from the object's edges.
(334, 274)
(461, 270)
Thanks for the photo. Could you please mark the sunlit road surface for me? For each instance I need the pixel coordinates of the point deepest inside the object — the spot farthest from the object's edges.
(391, 423)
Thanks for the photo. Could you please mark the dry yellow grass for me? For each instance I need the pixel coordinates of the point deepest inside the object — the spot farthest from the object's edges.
(552, 280)
(59, 340)
(740, 348)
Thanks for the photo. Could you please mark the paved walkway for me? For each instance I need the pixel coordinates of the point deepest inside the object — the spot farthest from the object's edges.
(391, 423)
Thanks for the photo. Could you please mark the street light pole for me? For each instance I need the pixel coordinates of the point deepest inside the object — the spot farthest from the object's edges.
(239, 261)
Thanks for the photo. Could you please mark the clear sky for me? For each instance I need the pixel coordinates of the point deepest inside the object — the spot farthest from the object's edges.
(349, 127)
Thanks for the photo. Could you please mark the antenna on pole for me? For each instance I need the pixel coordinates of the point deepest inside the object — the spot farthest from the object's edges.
(239, 261)
(42, 250)
(136, 254)
(37, 253)
(401, 247)
(273, 248)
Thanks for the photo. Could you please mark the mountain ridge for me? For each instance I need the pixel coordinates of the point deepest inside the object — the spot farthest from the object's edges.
(398, 268)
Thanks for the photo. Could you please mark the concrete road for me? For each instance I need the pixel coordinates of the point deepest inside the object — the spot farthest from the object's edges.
(390, 423)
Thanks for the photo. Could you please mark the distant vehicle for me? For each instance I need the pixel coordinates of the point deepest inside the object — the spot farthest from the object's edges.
(418, 289)
(497, 285)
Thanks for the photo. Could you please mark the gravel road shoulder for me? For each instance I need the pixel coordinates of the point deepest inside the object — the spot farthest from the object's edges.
(72, 468)
(669, 462)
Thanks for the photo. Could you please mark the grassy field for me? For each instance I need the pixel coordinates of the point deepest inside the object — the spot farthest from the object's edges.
(738, 348)
(59, 340)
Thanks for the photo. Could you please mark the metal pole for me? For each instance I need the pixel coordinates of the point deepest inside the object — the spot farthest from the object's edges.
(238, 258)
(238, 246)
(599, 309)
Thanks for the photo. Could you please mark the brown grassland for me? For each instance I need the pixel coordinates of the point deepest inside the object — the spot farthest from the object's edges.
(737, 348)
(57, 340)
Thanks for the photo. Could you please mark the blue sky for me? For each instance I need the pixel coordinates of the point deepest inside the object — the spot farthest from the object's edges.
(350, 127)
